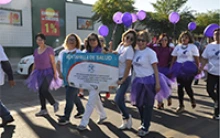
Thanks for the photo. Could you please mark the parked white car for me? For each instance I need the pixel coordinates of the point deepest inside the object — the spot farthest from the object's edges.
(25, 65)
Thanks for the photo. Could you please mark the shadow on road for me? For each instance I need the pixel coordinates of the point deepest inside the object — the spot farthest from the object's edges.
(8, 131)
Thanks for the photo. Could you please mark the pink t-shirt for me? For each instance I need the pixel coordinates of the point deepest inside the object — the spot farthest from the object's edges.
(42, 61)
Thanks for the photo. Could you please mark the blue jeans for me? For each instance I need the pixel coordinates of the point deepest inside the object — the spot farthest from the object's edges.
(120, 97)
(71, 99)
(4, 113)
(146, 114)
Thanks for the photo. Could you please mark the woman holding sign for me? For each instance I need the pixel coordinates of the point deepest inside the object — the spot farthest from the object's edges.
(72, 45)
(94, 100)
(126, 54)
(147, 81)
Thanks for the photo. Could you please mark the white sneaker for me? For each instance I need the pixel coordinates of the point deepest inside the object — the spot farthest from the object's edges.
(129, 125)
(124, 124)
(42, 113)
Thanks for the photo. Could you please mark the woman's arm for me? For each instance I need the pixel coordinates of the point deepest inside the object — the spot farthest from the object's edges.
(156, 73)
(52, 60)
(59, 70)
(203, 63)
(197, 60)
(126, 73)
(33, 67)
(173, 61)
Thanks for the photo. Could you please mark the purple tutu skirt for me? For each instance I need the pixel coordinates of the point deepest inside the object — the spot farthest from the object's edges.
(164, 70)
(37, 77)
(185, 70)
(143, 90)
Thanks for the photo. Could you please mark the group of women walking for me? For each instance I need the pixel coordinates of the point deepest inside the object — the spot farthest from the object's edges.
(149, 69)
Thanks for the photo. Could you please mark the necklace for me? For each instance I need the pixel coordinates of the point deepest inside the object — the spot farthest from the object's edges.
(184, 46)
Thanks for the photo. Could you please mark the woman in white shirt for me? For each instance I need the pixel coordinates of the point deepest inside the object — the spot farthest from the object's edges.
(126, 53)
(211, 55)
(147, 81)
(72, 45)
(184, 66)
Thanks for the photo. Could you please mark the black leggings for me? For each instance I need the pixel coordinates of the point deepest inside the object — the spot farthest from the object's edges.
(187, 84)
(45, 94)
(212, 82)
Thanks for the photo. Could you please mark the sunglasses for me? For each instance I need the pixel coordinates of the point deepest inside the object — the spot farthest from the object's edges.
(101, 40)
(130, 38)
(92, 39)
(164, 40)
(71, 39)
(141, 40)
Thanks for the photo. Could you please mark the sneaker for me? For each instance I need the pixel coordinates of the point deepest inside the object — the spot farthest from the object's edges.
(107, 95)
(160, 106)
(78, 115)
(124, 124)
(129, 125)
(81, 95)
(101, 120)
(42, 113)
(56, 107)
(63, 121)
(193, 103)
(180, 109)
(81, 128)
(5, 122)
(216, 117)
(142, 133)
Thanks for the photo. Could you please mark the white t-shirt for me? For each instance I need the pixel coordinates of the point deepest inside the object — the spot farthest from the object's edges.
(3, 57)
(60, 56)
(185, 54)
(212, 53)
(125, 53)
(142, 62)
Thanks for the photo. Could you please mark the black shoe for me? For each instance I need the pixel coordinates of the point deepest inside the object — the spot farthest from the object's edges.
(78, 115)
(196, 82)
(5, 122)
(63, 121)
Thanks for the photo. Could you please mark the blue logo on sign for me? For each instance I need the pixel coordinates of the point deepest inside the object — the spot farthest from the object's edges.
(91, 68)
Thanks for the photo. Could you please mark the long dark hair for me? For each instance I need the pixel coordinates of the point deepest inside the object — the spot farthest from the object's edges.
(161, 38)
(88, 47)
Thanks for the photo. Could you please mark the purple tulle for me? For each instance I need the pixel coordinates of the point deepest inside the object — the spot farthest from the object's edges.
(143, 90)
(186, 69)
(37, 77)
(164, 70)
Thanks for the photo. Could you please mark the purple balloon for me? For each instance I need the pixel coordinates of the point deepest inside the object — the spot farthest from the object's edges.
(4, 1)
(209, 30)
(134, 17)
(117, 17)
(103, 30)
(141, 15)
(192, 26)
(174, 17)
(127, 19)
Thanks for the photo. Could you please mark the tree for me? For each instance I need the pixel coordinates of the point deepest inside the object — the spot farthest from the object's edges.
(204, 19)
(157, 22)
(105, 9)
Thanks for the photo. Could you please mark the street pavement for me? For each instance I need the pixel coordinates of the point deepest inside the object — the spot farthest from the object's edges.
(193, 123)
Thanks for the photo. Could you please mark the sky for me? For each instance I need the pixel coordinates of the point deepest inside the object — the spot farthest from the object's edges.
(197, 5)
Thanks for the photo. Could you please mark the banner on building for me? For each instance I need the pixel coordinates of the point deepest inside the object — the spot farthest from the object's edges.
(11, 17)
(90, 70)
(50, 25)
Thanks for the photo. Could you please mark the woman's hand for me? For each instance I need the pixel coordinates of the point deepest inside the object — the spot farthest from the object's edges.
(120, 82)
(55, 75)
(60, 76)
(157, 88)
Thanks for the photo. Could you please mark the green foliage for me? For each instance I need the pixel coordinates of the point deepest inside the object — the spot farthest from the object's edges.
(204, 19)
(157, 22)
(105, 9)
